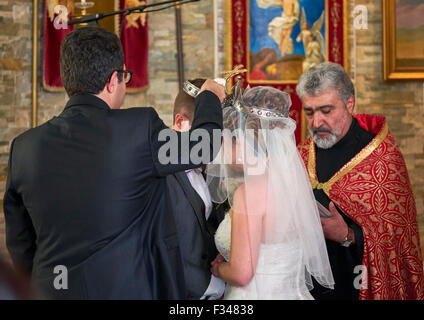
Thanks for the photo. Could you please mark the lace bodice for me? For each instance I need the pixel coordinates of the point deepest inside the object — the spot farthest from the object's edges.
(223, 237)
(278, 274)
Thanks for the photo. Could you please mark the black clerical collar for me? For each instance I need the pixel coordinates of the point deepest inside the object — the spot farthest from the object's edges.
(87, 100)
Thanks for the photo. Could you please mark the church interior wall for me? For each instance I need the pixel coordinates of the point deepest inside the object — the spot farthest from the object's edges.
(402, 103)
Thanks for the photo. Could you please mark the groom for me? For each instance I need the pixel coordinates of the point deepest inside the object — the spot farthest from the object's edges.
(196, 217)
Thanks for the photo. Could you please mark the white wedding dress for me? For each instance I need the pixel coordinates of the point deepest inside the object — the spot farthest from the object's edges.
(279, 274)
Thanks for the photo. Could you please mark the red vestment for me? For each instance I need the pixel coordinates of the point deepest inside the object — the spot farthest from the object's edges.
(373, 189)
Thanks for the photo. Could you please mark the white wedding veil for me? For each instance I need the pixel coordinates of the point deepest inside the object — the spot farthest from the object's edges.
(259, 157)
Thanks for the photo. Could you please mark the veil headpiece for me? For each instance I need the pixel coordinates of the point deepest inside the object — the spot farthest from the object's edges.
(259, 155)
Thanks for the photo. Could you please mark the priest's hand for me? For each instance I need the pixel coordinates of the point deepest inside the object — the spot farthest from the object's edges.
(214, 87)
(334, 227)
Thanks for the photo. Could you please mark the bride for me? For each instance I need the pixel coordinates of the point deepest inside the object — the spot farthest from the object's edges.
(271, 241)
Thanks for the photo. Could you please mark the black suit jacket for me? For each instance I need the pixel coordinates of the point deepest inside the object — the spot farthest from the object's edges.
(87, 191)
(195, 233)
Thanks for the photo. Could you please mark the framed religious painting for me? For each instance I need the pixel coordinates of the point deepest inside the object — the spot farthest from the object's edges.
(403, 39)
(278, 40)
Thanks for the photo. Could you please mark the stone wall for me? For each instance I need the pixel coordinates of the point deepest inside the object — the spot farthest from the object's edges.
(401, 102)
(15, 82)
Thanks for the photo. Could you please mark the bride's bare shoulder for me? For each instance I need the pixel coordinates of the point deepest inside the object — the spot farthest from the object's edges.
(254, 193)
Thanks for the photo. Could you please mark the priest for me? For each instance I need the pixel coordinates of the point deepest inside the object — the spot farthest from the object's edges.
(358, 172)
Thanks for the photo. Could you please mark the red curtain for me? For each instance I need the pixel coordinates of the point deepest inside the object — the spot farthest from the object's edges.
(52, 38)
(135, 41)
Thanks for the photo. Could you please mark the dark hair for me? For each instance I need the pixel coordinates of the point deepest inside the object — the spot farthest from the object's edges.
(184, 103)
(88, 57)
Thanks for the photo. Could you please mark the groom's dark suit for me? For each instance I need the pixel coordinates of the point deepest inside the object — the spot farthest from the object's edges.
(86, 191)
(195, 233)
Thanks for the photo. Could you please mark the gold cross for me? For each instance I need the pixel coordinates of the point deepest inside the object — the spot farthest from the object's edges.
(237, 70)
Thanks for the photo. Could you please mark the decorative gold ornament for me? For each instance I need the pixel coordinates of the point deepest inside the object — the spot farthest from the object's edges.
(133, 17)
(237, 70)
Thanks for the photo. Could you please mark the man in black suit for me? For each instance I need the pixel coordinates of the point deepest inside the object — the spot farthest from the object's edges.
(195, 215)
(85, 201)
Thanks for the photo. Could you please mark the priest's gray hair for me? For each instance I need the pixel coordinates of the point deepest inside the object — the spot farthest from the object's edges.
(326, 75)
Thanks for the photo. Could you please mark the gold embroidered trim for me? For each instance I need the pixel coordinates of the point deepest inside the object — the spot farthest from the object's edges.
(364, 153)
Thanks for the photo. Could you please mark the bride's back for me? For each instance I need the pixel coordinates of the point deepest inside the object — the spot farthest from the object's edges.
(279, 271)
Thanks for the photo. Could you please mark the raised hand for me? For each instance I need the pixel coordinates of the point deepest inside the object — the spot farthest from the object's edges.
(214, 87)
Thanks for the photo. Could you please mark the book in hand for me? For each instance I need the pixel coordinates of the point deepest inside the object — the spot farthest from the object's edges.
(323, 211)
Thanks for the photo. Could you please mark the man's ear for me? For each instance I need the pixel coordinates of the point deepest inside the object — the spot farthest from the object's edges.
(113, 82)
(180, 122)
(350, 105)
(179, 118)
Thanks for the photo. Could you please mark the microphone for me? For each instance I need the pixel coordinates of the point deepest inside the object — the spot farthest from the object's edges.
(86, 19)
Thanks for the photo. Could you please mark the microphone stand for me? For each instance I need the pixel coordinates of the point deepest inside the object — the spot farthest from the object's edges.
(180, 54)
(93, 18)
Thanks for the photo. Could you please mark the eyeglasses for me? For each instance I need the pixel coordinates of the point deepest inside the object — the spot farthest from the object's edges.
(127, 75)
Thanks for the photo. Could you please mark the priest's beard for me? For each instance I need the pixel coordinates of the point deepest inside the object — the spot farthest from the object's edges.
(330, 140)
(325, 142)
